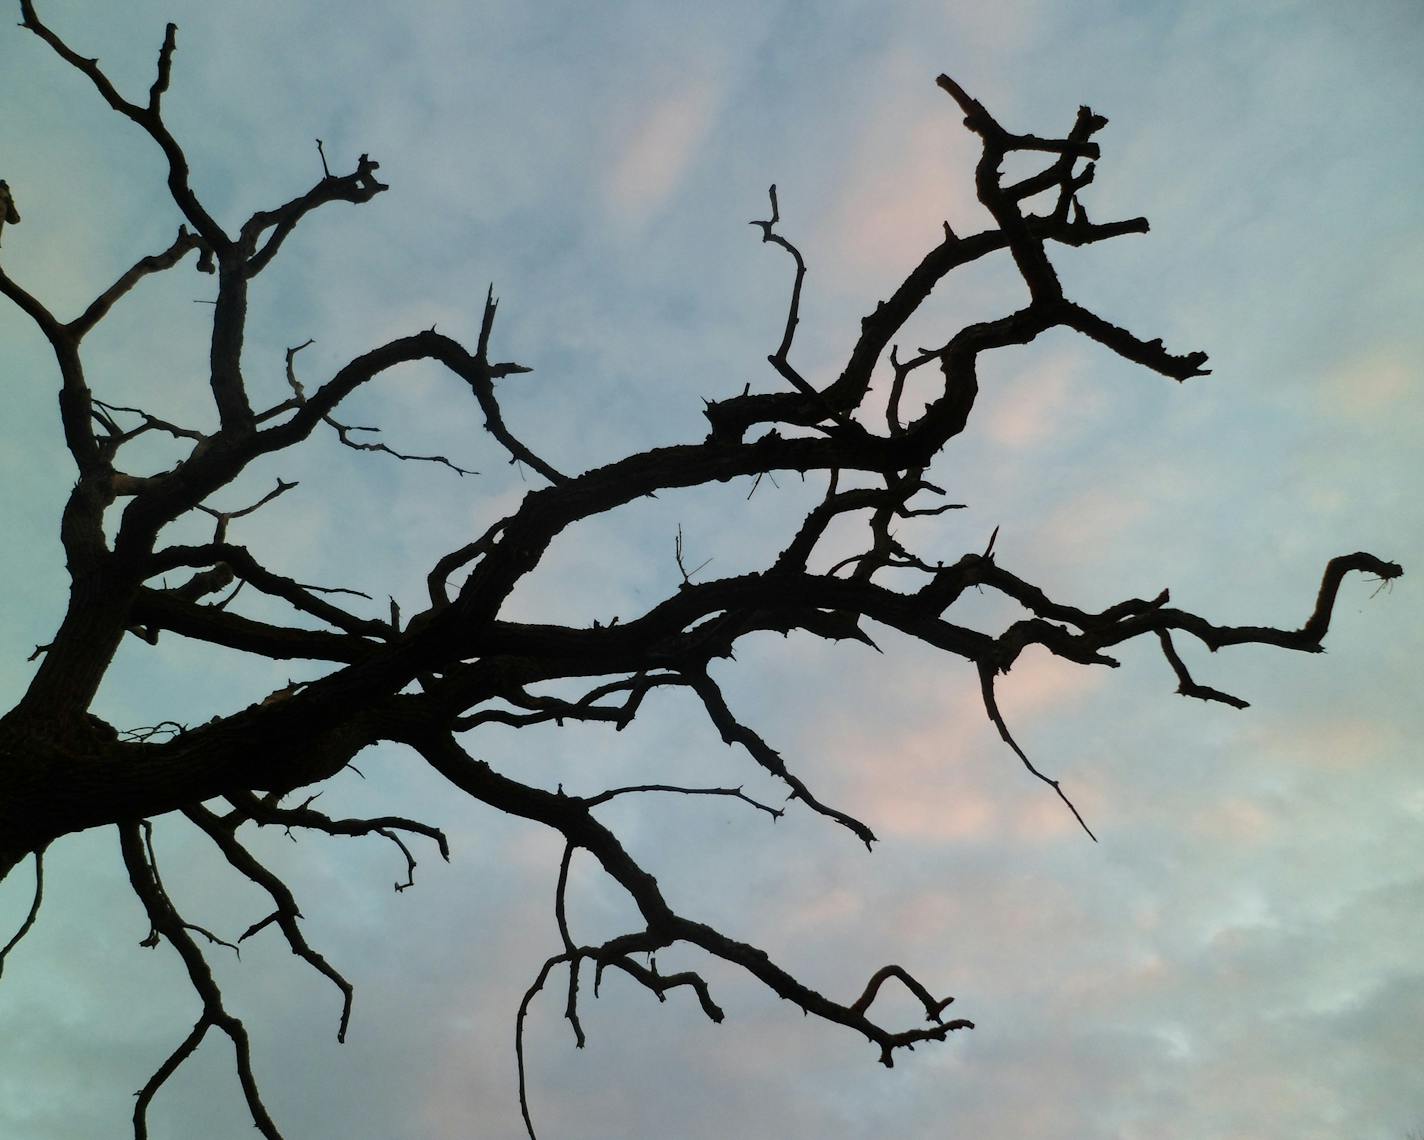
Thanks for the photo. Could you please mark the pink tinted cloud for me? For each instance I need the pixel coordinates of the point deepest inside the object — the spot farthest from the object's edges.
(926, 782)
(1093, 520)
(1040, 682)
(651, 158)
(1235, 821)
(914, 780)
(1339, 743)
(1368, 387)
(903, 180)
(834, 907)
(1035, 405)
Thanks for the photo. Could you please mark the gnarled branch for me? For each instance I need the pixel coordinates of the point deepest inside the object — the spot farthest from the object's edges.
(464, 664)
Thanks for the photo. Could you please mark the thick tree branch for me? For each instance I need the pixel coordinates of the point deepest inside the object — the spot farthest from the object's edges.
(160, 610)
(245, 566)
(53, 329)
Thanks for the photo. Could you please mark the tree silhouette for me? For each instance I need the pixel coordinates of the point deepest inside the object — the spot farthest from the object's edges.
(431, 681)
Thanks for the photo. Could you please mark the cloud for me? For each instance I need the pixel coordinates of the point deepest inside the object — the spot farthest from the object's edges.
(1044, 402)
(904, 178)
(650, 159)
(1372, 387)
(1235, 821)
(949, 779)
(1093, 519)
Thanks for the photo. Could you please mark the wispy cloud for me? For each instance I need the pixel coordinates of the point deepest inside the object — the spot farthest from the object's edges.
(649, 160)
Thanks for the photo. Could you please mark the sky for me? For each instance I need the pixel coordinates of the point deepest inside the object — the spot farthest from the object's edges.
(1236, 958)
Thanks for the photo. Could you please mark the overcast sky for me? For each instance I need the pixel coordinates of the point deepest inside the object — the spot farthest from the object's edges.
(1237, 958)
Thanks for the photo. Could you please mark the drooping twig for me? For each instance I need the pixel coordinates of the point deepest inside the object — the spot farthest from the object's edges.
(529, 995)
(1185, 685)
(285, 915)
(345, 431)
(151, 858)
(991, 708)
(167, 923)
(29, 922)
(562, 919)
(305, 816)
(734, 732)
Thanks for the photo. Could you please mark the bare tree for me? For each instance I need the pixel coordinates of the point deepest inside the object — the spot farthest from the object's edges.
(433, 681)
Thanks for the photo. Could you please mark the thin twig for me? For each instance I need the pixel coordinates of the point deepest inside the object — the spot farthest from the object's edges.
(28, 924)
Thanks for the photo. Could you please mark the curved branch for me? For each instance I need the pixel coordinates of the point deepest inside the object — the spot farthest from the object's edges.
(1188, 687)
(29, 921)
(991, 709)
(343, 431)
(586, 708)
(359, 186)
(780, 359)
(261, 811)
(933, 1006)
(53, 329)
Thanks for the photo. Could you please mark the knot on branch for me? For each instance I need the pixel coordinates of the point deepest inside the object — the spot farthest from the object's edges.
(8, 213)
(365, 175)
